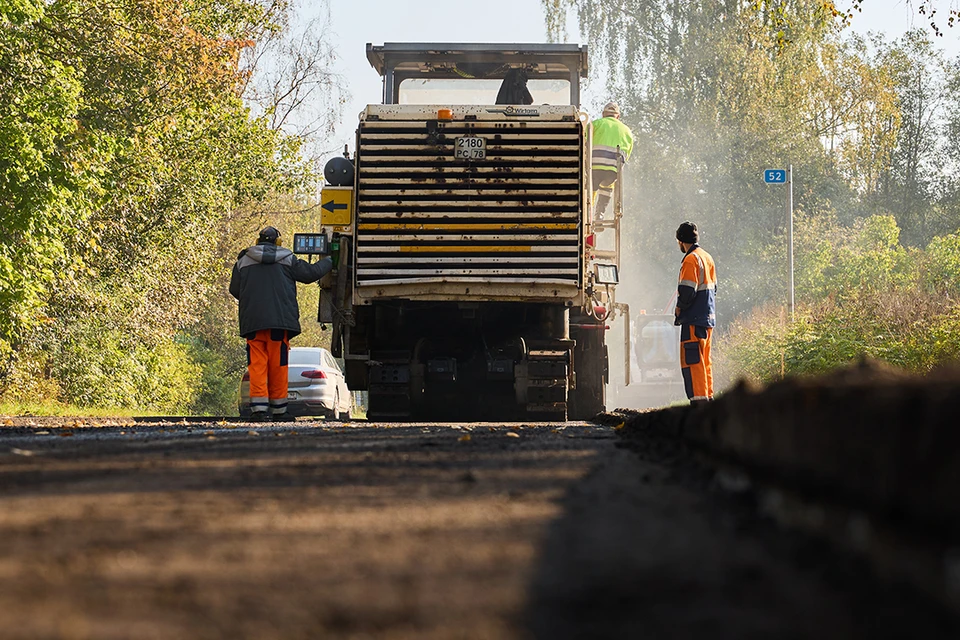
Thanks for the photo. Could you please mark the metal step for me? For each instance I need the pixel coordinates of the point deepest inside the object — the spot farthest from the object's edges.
(605, 224)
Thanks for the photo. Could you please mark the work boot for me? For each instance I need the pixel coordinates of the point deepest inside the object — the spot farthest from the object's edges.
(601, 206)
(283, 417)
(259, 416)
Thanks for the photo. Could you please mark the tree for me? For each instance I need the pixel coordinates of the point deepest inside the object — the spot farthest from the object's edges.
(932, 11)
(908, 186)
(716, 92)
(948, 211)
(292, 80)
(854, 111)
(714, 97)
(125, 150)
(45, 163)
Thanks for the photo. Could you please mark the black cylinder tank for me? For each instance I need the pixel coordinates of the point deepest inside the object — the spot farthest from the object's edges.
(338, 172)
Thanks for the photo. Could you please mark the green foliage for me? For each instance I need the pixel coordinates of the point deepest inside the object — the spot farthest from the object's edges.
(219, 379)
(940, 266)
(102, 367)
(19, 11)
(128, 162)
(41, 163)
(47, 407)
(910, 185)
(24, 381)
(892, 304)
(864, 257)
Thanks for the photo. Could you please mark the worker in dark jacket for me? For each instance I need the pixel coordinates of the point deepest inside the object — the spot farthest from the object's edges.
(696, 314)
(265, 281)
(514, 90)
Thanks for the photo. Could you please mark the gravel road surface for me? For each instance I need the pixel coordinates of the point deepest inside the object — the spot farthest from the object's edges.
(316, 530)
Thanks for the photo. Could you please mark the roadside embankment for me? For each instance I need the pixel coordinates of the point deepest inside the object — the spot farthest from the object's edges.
(868, 457)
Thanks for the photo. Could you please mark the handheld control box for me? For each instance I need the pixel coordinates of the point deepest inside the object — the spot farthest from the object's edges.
(311, 244)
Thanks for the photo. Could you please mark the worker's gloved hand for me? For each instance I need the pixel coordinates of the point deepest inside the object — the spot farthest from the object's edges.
(335, 253)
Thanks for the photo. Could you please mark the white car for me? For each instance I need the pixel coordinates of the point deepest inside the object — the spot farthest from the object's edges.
(315, 386)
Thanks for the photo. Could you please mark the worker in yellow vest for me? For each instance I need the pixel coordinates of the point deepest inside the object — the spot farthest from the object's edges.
(611, 140)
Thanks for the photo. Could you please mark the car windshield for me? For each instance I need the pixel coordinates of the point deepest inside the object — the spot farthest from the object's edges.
(477, 91)
(304, 356)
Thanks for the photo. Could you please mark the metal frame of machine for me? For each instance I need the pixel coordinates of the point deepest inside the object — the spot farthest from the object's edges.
(465, 284)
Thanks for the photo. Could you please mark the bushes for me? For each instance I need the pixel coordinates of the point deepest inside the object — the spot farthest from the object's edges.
(25, 382)
(893, 304)
(108, 368)
(107, 371)
(221, 369)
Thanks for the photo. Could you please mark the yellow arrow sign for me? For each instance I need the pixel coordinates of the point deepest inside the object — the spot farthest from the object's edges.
(336, 206)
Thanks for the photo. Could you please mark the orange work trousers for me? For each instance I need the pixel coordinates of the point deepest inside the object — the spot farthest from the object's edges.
(695, 361)
(267, 358)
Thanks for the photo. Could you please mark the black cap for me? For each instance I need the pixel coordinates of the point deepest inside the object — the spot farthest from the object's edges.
(687, 232)
(268, 234)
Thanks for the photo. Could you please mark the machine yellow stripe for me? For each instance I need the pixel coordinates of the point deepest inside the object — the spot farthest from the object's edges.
(462, 249)
(440, 226)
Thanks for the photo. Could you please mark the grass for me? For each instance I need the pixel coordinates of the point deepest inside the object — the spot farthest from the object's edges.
(54, 409)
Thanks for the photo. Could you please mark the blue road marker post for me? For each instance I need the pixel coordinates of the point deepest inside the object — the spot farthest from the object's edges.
(785, 176)
(775, 176)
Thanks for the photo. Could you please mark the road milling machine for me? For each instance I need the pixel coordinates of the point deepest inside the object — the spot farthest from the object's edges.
(469, 282)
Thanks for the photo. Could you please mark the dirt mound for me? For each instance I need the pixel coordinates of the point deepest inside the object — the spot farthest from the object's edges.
(869, 435)
(869, 438)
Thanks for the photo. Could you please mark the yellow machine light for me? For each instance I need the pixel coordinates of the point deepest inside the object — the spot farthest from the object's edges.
(445, 114)
(336, 206)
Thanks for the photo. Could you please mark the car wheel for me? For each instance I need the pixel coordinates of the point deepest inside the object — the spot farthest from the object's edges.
(333, 413)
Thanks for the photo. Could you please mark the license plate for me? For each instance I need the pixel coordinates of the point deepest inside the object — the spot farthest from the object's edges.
(292, 395)
(470, 148)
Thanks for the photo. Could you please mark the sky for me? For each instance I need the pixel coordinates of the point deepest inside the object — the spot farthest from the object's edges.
(357, 22)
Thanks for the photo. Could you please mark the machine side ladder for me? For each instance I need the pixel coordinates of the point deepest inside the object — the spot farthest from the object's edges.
(613, 255)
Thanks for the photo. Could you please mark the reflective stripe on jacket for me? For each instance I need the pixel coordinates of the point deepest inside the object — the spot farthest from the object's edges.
(265, 281)
(697, 289)
(608, 134)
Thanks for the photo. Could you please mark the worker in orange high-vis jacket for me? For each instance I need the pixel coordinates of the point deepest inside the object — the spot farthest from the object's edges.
(696, 314)
(264, 280)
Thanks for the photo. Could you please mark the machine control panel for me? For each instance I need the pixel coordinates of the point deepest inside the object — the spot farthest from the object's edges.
(311, 244)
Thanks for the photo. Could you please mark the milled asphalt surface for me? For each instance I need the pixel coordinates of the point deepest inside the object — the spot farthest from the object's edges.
(316, 530)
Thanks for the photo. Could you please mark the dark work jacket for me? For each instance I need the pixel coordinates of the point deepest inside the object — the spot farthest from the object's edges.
(514, 90)
(265, 281)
